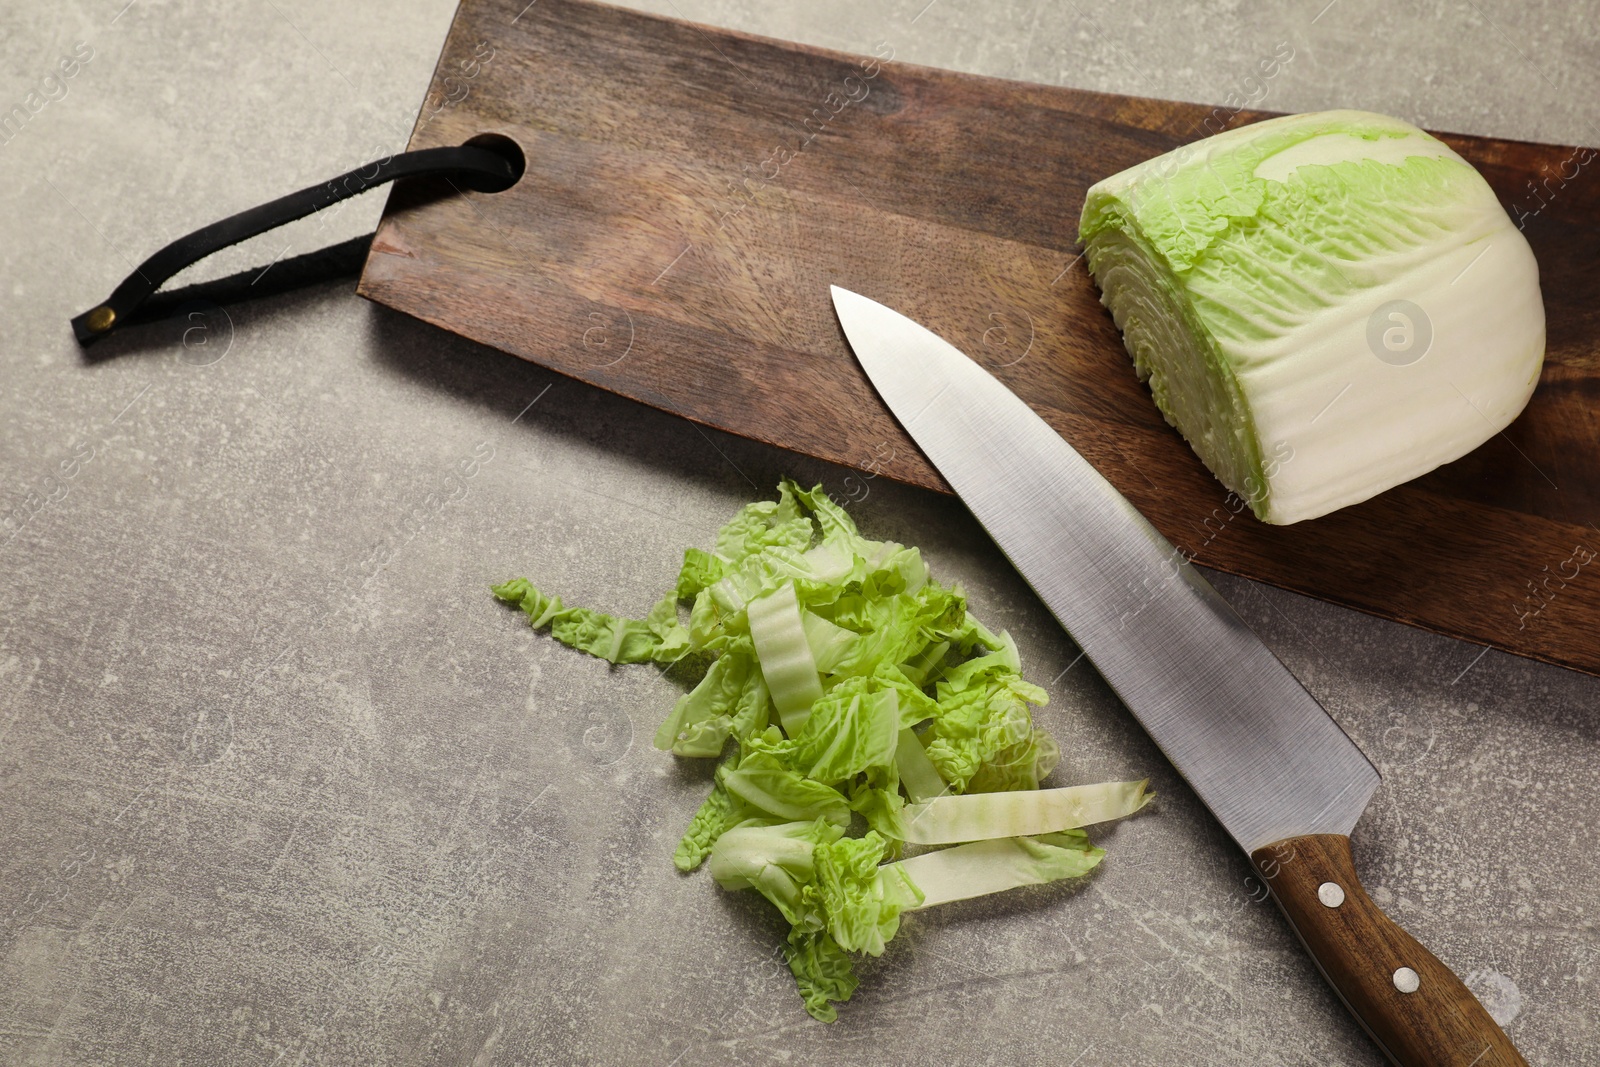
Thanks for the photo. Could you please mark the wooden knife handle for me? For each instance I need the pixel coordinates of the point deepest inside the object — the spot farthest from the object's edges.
(1417, 1010)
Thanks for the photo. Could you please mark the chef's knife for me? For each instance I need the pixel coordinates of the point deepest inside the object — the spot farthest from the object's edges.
(1279, 774)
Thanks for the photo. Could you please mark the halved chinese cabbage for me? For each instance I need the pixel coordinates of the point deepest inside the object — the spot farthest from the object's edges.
(1324, 305)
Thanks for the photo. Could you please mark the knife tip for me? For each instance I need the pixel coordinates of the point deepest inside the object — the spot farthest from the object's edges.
(849, 305)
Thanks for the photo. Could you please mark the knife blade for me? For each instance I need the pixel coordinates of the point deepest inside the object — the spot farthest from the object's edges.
(1279, 774)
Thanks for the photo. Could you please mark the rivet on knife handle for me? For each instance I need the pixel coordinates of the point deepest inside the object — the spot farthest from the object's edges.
(1415, 1007)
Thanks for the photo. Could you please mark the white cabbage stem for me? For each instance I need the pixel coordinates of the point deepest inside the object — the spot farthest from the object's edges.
(1020, 813)
(779, 636)
(985, 867)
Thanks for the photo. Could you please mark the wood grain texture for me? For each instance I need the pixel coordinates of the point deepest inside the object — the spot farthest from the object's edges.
(1358, 949)
(691, 192)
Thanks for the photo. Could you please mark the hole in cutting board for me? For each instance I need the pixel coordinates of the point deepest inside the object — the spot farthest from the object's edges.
(502, 146)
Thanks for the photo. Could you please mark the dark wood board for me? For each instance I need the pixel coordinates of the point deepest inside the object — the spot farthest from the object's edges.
(691, 192)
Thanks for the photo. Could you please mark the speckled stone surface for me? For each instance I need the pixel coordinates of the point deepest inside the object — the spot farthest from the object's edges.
(281, 784)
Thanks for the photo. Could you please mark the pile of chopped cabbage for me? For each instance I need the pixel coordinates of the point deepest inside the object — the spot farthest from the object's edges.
(868, 710)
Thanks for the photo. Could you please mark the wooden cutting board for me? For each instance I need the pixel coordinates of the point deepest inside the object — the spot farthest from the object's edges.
(691, 192)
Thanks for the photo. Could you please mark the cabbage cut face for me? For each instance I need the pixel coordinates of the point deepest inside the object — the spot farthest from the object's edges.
(1324, 305)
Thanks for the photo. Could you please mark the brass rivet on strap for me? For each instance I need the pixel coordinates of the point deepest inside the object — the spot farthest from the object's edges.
(101, 319)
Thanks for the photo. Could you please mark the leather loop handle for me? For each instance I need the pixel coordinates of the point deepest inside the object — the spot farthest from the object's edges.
(483, 169)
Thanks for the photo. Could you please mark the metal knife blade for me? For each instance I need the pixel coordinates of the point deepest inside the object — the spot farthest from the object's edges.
(1258, 749)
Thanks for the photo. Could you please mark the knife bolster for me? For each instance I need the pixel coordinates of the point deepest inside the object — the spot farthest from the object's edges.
(1415, 1008)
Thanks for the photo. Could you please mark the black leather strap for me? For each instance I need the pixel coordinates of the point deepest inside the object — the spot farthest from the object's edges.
(135, 299)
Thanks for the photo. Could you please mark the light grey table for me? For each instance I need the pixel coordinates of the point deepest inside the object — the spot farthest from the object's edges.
(265, 801)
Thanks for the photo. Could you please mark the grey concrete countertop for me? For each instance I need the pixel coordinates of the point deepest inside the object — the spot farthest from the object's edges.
(281, 784)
